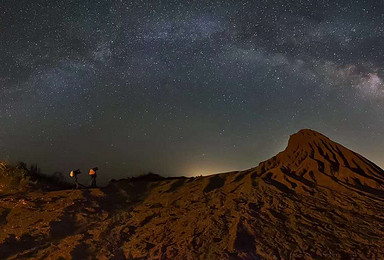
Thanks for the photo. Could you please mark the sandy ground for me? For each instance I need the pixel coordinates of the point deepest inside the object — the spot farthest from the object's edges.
(315, 200)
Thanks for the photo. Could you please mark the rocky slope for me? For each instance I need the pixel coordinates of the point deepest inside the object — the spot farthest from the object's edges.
(314, 200)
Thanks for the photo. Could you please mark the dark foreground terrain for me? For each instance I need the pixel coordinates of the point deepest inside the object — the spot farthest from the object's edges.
(314, 200)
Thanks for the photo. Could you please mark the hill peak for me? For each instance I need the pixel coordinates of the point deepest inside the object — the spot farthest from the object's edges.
(312, 159)
(304, 137)
(308, 133)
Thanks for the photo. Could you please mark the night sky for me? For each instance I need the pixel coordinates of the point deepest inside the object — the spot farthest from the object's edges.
(186, 87)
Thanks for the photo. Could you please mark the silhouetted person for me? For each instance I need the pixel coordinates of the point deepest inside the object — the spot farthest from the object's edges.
(92, 173)
(74, 174)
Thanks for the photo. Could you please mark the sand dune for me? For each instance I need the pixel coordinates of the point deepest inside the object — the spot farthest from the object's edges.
(315, 200)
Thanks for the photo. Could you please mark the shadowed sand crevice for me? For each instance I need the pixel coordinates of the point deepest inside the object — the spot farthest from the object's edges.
(241, 175)
(244, 240)
(176, 184)
(214, 183)
(65, 226)
(13, 245)
(3, 216)
(81, 251)
(280, 186)
(298, 178)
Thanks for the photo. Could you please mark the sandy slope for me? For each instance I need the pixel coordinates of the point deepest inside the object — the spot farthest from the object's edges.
(315, 200)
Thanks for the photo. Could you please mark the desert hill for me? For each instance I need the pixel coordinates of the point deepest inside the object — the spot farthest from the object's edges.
(311, 160)
(315, 200)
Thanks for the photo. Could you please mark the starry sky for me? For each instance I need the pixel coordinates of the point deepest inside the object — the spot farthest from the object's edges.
(186, 87)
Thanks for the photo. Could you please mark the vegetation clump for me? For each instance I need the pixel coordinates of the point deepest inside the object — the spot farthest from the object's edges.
(19, 177)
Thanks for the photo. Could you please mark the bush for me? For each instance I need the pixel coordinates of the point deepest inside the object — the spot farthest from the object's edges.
(14, 177)
(18, 177)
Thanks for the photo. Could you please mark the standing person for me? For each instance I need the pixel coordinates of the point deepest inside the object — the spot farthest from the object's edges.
(74, 174)
(92, 173)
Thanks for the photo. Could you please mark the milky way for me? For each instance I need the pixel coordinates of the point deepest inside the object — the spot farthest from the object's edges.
(186, 87)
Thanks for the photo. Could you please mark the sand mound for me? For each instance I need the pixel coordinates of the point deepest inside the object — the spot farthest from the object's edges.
(314, 200)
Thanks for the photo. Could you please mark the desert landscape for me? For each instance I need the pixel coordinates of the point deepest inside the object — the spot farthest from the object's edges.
(314, 200)
(180, 130)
